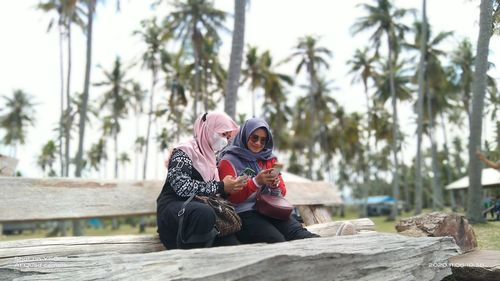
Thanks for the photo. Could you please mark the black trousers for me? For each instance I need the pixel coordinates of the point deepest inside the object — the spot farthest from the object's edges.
(199, 218)
(258, 228)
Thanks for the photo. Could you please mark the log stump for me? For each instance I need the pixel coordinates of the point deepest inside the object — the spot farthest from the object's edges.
(440, 224)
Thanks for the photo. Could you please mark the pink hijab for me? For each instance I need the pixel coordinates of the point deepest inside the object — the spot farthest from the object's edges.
(199, 149)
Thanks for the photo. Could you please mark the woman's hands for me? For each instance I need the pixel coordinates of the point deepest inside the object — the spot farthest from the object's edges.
(233, 184)
(267, 177)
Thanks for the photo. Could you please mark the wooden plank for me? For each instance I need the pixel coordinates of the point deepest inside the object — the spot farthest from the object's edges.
(25, 199)
(373, 256)
(314, 214)
(478, 265)
(124, 244)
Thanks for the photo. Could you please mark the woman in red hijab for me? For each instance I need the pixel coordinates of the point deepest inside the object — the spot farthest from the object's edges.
(192, 169)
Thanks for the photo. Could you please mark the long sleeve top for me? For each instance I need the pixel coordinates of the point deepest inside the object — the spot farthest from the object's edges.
(183, 179)
(245, 198)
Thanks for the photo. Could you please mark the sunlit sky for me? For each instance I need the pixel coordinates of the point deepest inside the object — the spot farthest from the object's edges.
(29, 56)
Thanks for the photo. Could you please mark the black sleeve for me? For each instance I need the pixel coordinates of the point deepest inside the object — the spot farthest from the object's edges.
(179, 176)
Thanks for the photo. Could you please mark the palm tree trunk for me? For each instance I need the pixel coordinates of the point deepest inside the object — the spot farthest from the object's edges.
(150, 117)
(312, 110)
(83, 112)
(69, 120)
(77, 227)
(395, 129)
(197, 56)
(475, 191)
(448, 168)
(61, 119)
(236, 58)
(366, 175)
(253, 103)
(115, 139)
(420, 113)
(437, 193)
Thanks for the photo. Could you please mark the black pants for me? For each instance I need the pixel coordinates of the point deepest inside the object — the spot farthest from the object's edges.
(258, 228)
(199, 218)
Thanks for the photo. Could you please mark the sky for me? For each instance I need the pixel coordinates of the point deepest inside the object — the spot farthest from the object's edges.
(29, 56)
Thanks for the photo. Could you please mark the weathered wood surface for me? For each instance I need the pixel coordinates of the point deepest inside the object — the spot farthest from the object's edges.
(125, 244)
(7, 166)
(440, 224)
(25, 199)
(314, 214)
(479, 265)
(372, 256)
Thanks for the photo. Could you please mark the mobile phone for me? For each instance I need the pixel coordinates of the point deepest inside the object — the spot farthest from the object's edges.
(277, 168)
(247, 172)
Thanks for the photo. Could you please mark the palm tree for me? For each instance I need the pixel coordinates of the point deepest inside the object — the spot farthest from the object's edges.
(474, 208)
(384, 19)
(313, 57)
(155, 56)
(253, 72)
(191, 21)
(124, 160)
(435, 81)
(362, 68)
(68, 12)
(97, 154)
(420, 112)
(236, 58)
(90, 11)
(117, 98)
(19, 116)
(47, 158)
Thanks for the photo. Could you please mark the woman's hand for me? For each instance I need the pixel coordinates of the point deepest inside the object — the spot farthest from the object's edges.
(265, 177)
(233, 184)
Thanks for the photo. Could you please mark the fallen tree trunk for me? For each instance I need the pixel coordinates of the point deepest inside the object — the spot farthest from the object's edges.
(369, 256)
(125, 244)
(440, 224)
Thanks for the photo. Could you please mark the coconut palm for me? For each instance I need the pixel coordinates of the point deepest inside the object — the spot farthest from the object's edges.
(155, 56)
(191, 21)
(19, 115)
(47, 158)
(435, 82)
(97, 155)
(312, 58)
(362, 69)
(90, 11)
(474, 208)
(118, 99)
(385, 19)
(253, 72)
(236, 58)
(124, 160)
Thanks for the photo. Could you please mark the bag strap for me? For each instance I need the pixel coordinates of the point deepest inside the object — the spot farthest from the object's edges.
(208, 237)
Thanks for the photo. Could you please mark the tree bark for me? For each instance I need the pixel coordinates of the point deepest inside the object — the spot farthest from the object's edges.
(236, 58)
(86, 86)
(395, 129)
(440, 224)
(475, 192)
(420, 113)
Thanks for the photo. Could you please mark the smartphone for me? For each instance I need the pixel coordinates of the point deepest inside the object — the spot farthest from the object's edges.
(248, 172)
(277, 168)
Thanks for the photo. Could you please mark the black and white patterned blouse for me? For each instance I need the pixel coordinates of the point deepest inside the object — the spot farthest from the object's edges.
(183, 179)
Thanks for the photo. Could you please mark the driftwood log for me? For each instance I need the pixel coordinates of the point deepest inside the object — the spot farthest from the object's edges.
(479, 265)
(440, 224)
(368, 256)
(66, 199)
(125, 244)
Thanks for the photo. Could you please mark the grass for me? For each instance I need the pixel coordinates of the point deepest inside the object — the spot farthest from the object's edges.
(488, 234)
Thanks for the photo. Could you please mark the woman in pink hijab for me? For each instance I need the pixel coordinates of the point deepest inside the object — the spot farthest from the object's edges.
(192, 169)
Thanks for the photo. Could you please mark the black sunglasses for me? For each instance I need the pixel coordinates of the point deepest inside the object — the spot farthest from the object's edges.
(255, 139)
